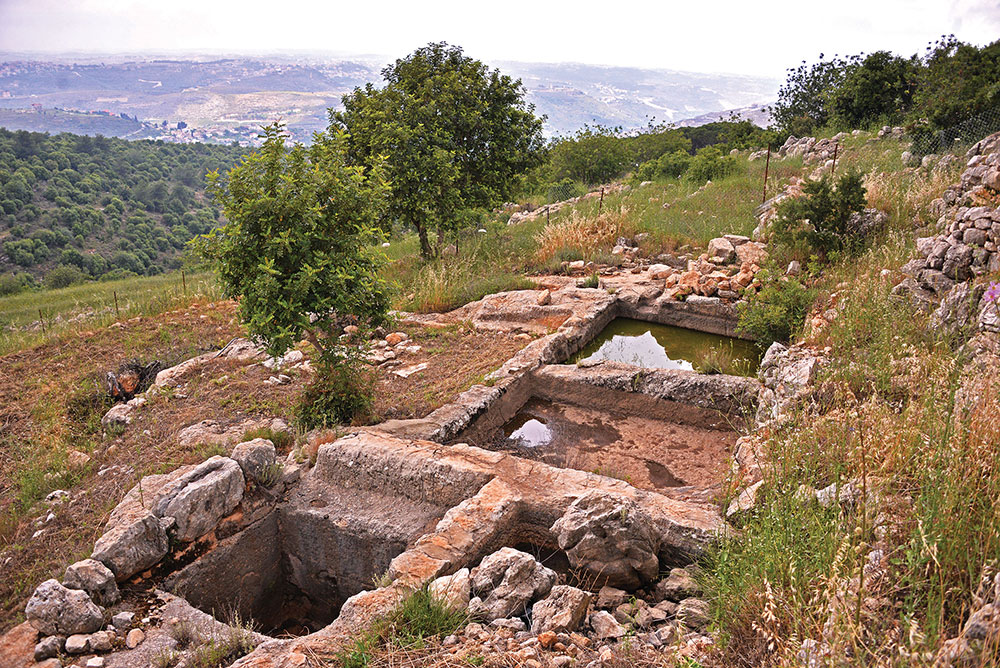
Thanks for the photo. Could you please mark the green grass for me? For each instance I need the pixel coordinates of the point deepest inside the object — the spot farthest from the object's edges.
(485, 263)
(417, 618)
(93, 305)
(724, 207)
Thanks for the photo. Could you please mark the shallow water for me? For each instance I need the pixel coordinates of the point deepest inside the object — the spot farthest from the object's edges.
(654, 346)
(648, 453)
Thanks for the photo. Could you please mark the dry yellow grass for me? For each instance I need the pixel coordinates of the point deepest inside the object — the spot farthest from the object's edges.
(583, 237)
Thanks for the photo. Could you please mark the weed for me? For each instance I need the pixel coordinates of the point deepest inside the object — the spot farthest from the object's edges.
(166, 658)
(282, 440)
(592, 281)
(271, 474)
(583, 236)
(185, 633)
(203, 451)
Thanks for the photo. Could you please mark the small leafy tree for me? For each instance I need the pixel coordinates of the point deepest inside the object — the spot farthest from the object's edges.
(454, 135)
(594, 155)
(299, 249)
(822, 217)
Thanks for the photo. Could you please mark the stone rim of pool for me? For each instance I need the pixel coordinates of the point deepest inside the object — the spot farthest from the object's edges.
(654, 346)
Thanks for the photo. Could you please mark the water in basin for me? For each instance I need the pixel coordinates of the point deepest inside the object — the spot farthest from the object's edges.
(655, 346)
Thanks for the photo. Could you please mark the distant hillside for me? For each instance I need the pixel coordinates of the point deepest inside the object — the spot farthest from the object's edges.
(758, 114)
(224, 99)
(103, 205)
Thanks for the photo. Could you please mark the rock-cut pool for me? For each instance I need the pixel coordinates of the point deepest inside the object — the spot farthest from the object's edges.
(655, 346)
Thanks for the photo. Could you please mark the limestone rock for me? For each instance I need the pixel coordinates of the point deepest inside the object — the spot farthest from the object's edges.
(134, 638)
(255, 457)
(101, 641)
(721, 250)
(55, 610)
(693, 613)
(117, 415)
(605, 625)
(562, 611)
(123, 620)
(751, 253)
(201, 497)
(78, 643)
(609, 598)
(743, 503)
(132, 546)
(677, 586)
(49, 647)
(506, 582)
(610, 538)
(455, 589)
(94, 578)
(983, 623)
(17, 646)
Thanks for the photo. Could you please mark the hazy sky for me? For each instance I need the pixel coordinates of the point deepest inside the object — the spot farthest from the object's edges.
(740, 36)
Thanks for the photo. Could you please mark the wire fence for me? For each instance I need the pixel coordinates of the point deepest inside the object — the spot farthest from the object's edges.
(959, 137)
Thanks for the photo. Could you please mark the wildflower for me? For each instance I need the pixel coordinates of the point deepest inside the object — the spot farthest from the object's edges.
(993, 292)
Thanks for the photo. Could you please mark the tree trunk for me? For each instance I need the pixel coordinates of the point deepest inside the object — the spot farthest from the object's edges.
(425, 245)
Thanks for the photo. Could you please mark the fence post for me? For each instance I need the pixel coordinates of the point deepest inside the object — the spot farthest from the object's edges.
(767, 168)
(600, 205)
(834, 167)
(184, 285)
(118, 314)
(546, 215)
(41, 319)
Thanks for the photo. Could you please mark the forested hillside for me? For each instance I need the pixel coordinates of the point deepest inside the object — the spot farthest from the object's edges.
(93, 207)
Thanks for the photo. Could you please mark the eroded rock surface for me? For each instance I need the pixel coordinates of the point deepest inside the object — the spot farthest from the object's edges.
(94, 578)
(55, 610)
(201, 497)
(611, 539)
(506, 582)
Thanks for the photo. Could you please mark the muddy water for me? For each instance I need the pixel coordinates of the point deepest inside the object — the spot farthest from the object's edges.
(656, 346)
(651, 454)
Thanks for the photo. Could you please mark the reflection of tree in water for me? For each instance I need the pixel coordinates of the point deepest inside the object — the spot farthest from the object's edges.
(642, 350)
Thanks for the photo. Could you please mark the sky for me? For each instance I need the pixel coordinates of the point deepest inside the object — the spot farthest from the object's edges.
(757, 38)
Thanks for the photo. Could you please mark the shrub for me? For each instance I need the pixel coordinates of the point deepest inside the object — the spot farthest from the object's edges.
(64, 276)
(342, 391)
(777, 312)
(708, 164)
(667, 166)
(821, 218)
(13, 283)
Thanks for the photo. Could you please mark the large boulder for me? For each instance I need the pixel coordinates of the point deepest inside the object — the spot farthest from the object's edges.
(506, 582)
(562, 611)
(132, 545)
(95, 578)
(55, 610)
(201, 497)
(611, 539)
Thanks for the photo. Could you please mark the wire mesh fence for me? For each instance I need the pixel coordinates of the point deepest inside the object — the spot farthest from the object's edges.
(959, 137)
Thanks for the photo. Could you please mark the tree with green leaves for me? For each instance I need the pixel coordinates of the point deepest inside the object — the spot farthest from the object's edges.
(877, 88)
(300, 249)
(455, 136)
